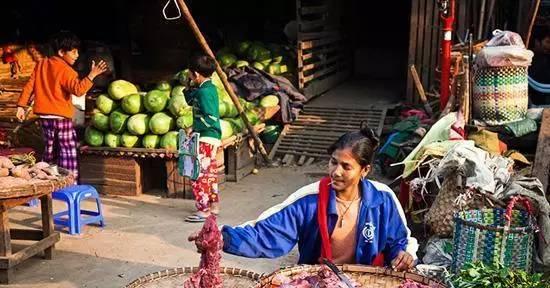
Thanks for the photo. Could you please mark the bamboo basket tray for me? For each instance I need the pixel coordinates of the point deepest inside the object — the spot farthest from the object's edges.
(174, 278)
(367, 276)
(37, 187)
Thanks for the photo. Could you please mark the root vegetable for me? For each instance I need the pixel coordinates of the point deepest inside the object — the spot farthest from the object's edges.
(21, 171)
(41, 165)
(5, 162)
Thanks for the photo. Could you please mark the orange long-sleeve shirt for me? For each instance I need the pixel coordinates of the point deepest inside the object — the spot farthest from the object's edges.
(52, 82)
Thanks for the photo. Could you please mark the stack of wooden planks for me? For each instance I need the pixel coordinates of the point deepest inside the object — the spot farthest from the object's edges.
(308, 138)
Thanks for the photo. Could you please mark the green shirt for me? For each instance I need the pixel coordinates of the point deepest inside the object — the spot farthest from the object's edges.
(206, 111)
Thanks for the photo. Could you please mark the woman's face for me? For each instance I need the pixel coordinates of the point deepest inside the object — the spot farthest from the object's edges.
(344, 170)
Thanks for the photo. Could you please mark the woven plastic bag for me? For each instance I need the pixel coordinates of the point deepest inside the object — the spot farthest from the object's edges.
(441, 214)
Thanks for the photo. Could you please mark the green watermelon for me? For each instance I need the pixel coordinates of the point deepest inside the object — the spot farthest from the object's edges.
(161, 123)
(269, 101)
(105, 104)
(169, 140)
(93, 137)
(138, 124)
(100, 121)
(118, 121)
(129, 141)
(185, 121)
(112, 140)
(120, 88)
(150, 141)
(132, 104)
(155, 101)
(227, 129)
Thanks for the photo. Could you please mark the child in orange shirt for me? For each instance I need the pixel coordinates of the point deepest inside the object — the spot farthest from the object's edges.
(53, 82)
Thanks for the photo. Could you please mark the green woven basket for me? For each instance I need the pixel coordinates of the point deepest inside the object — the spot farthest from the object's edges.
(494, 236)
(500, 94)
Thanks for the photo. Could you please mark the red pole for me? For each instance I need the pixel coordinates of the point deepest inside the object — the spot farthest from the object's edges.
(448, 18)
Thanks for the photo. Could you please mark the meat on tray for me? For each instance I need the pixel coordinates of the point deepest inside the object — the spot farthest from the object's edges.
(208, 275)
(324, 278)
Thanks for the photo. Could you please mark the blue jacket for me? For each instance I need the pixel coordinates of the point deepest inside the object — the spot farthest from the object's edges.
(381, 227)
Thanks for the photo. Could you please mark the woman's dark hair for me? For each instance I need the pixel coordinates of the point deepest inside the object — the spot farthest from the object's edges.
(203, 65)
(64, 41)
(363, 144)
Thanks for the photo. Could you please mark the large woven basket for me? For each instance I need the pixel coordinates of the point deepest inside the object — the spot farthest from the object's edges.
(494, 236)
(174, 278)
(367, 276)
(500, 94)
(37, 187)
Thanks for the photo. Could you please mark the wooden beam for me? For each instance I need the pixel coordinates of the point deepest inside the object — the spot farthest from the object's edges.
(541, 168)
(29, 251)
(202, 42)
(412, 47)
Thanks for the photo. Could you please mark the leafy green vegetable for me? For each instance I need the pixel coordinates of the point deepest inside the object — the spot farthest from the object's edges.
(481, 275)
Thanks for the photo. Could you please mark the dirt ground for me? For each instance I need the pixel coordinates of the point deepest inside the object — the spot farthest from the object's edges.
(147, 234)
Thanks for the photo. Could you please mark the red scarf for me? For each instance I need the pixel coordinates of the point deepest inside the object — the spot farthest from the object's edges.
(322, 207)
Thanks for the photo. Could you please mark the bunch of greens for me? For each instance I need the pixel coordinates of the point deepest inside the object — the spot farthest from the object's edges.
(481, 275)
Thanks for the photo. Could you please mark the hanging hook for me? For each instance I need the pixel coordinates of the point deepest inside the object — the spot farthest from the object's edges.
(166, 6)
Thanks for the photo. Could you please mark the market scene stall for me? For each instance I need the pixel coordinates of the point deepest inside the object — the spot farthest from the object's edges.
(281, 144)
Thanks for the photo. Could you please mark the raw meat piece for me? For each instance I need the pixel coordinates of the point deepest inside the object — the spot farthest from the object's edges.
(208, 275)
(412, 284)
(325, 278)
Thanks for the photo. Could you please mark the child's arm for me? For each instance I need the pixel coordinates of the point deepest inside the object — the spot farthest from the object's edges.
(79, 87)
(24, 99)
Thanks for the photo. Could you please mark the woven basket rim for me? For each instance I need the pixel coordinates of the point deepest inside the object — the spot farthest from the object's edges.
(515, 230)
(42, 187)
(189, 270)
(355, 268)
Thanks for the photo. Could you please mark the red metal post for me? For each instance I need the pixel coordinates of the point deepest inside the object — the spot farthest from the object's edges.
(447, 18)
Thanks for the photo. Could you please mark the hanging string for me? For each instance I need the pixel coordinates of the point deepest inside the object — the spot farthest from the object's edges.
(166, 6)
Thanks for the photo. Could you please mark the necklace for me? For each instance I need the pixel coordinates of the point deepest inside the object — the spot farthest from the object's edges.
(346, 211)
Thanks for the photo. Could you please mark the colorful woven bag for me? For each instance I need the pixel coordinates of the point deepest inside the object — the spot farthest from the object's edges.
(495, 236)
(500, 94)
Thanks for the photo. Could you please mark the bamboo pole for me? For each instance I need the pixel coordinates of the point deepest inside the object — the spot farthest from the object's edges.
(532, 23)
(202, 41)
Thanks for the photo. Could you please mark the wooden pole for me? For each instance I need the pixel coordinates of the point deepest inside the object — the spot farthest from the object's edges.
(532, 23)
(202, 41)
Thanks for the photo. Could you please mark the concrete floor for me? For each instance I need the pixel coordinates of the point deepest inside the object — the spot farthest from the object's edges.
(147, 234)
(358, 93)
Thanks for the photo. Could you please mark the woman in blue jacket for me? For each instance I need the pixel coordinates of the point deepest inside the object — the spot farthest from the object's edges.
(344, 217)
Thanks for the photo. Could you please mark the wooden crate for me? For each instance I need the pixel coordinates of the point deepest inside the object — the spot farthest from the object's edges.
(113, 175)
(180, 187)
(241, 160)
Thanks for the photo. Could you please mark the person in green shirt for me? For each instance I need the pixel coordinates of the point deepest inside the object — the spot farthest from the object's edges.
(206, 122)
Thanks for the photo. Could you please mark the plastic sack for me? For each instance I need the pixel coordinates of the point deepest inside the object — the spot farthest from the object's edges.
(521, 128)
(504, 56)
(505, 38)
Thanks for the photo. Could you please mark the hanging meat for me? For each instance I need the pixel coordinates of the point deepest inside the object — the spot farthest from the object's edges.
(208, 275)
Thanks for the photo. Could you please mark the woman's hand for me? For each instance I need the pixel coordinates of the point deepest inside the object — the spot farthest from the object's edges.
(200, 245)
(404, 261)
(195, 238)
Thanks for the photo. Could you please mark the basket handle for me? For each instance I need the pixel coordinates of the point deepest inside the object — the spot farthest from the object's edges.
(512, 204)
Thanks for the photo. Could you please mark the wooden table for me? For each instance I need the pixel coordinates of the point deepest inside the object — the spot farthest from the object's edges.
(44, 238)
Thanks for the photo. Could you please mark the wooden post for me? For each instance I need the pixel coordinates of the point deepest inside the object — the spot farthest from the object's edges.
(202, 41)
(5, 246)
(47, 223)
(532, 23)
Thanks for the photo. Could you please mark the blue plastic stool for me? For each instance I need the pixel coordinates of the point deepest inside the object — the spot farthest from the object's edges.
(73, 216)
(34, 202)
